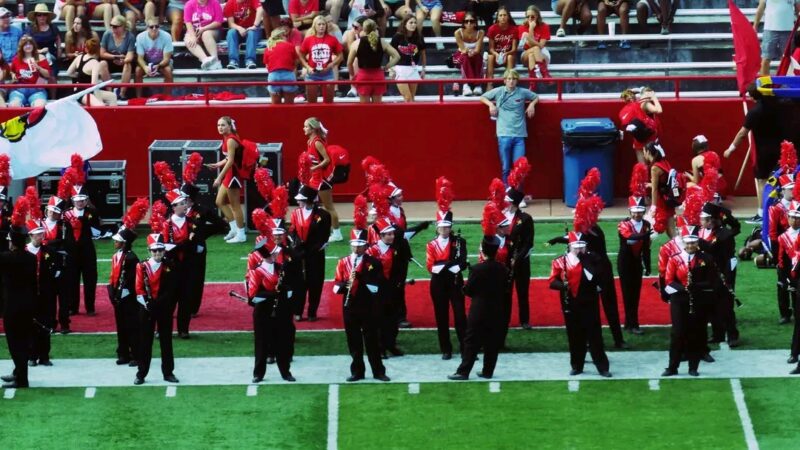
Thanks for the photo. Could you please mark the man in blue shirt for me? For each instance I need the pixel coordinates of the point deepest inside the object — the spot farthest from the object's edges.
(9, 36)
(507, 106)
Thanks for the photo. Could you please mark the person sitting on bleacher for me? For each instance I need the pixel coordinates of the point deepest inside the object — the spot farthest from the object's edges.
(244, 20)
(293, 35)
(663, 10)
(432, 9)
(136, 10)
(470, 53)
(203, 19)
(154, 49)
(9, 36)
(321, 54)
(410, 44)
(117, 49)
(533, 37)
(572, 9)
(175, 13)
(45, 33)
(606, 8)
(28, 67)
(5, 77)
(280, 59)
(87, 68)
(69, 9)
(76, 37)
(502, 43)
(484, 9)
(303, 13)
(103, 9)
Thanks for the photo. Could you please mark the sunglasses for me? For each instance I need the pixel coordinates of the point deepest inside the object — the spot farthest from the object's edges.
(153, 27)
(115, 26)
(470, 21)
(42, 15)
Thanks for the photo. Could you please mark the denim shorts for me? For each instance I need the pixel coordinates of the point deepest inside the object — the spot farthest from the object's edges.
(320, 76)
(773, 43)
(281, 75)
(553, 5)
(430, 4)
(27, 96)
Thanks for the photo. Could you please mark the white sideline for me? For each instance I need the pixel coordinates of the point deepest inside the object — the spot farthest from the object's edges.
(573, 385)
(655, 385)
(494, 387)
(90, 392)
(8, 394)
(333, 417)
(413, 388)
(171, 391)
(744, 415)
(252, 390)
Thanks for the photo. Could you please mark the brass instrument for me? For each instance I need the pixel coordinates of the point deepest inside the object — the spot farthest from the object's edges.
(350, 281)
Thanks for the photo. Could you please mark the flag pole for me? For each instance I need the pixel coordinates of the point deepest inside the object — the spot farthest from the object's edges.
(78, 95)
(749, 147)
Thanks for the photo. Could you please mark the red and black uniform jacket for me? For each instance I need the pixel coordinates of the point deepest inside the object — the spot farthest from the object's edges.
(578, 276)
(311, 233)
(446, 255)
(634, 246)
(122, 280)
(369, 277)
(704, 276)
(778, 224)
(161, 281)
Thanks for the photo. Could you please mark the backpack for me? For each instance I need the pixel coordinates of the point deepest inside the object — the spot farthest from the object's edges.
(675, 190)
(249, 159)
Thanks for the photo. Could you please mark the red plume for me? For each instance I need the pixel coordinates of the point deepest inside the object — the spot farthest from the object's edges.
(587, 213)
(136, 213)
(444, 193)
(380, 198)
(263, 222)
(21, 208)
(497, 193)
(360, 211)
(711, 159)
(639, 179)
(76, 162)
(280, 202)
(693, 205)
(158, 216)
(378, 174)
(519, 172)
(304, 164)
(589, 183)
(368, 162)
(264, 183)
(33, 203)
(192, 168)
(491, 217)
(165, 176)
(710, 182)
(788, 160)
(5, 170)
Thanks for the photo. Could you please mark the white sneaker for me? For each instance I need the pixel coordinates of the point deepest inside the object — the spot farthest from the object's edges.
(561, 33)
(522, 204)
(336, 236)
(467, 92)
(477, 91)
(215, 64)
(238, 238)
(206, 64)
(232, 233)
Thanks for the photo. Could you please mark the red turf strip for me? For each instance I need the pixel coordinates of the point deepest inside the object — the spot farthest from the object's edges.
(220, 312)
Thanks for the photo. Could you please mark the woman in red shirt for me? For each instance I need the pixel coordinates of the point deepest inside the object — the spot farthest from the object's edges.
(533, 36)
(503, 37)
(322, 170)
(321, 55)
(280, 59)
(27, 67)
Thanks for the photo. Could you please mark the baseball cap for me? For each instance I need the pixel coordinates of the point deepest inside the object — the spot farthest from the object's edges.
(4, 12)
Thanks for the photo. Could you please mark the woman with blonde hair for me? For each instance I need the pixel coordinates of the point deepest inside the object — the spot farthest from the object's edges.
(118, 49)
(321, 162)
(280, 59)
(369, 53)
(533, 37)
(228, 182)
(320, 63)
(88, 68)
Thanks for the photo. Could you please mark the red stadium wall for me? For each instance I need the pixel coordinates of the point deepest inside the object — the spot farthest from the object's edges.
(418, 142)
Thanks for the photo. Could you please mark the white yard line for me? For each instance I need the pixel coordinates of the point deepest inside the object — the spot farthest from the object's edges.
(413, 388)
(171, 391)
(333, 417)
(252, 390)
(8, 394)
(573, 385)
(744, 415)
(494, 387)
(90, 392)
(655, 385)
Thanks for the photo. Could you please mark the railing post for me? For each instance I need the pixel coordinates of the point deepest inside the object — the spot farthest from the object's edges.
(677, 89)
(205, 94)
(559, 89)
(440, 84)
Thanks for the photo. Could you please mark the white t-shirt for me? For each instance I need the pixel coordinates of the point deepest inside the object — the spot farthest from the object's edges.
(779, 15)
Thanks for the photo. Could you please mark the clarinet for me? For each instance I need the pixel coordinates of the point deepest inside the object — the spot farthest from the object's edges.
(564, 292)
(730, 291)
(147, 290)
(349, 286)
(117, 289)
(458, 254)
(689, 289)
(277, 292)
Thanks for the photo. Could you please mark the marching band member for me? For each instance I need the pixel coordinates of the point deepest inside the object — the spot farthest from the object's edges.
(289, 257)
(577, 275)
(269, 296)
(122, 285)
(520, 235)
(156, 285)
(787, 242)
(779, 223)
(358, 279)
(5, 215)
(670, 248)
(58, 235)
(386, 252)
(311, 229)
(446, 258)
(495, 223)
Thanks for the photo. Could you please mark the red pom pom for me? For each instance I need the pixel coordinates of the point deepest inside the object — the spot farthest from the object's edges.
(693, 205)
(796, 191)
(360, 212)
(444, 193)
(280, 202)
(519, 171)
(136, 213)
(660, 218)
(379, 196)
(20, 213)
(76, 162)
(158, 216)
(368, 162)
(165, 176)
(378, 174)
(33, 202)
(639, 179)
(491, 217)
(5, 170)
(304, 163)
(497, 193)
(192, 168)
(263, 222)
(788, 161)
(589, 183)
(264, 183)
(711, 159)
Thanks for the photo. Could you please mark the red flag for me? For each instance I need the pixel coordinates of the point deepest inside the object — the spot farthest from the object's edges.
(786, 59)
(745, 44)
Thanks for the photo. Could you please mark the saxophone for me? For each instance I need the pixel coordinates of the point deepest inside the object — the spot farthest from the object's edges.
(349, 284)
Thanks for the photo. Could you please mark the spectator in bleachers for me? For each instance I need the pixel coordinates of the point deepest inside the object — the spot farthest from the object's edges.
(280, 59)
(432, 9)
(503, 37)
(293, 35)
(410, 44)
(484, 9)
(154, 48)
(663, 10)
(572, 9)
(779, 16)
(303, 13)
(398, 8)
(244, 21)
(76, 37)
(175, 14)
(273, 9)
(117, 48)
(28, 67)
(5, 77)
(203, 19)
(352, 35)
(333, 27)
(103, 9)
(46, 36)
(9, 36)
(136, 10)
(369, 51)
(321, 54)
(87, 68)
(70, 9)
(621, 9)
(470, 53)
(533, 36)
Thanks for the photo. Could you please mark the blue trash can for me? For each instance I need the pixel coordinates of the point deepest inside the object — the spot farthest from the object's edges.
(588, 143)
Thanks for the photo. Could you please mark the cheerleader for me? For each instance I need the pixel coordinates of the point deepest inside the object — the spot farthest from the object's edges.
(322, 169)
(228, 180)
(661, 193)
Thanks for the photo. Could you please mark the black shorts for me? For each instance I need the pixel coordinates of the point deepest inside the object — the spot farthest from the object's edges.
(393, 7)
(273, 8)
(766, 162)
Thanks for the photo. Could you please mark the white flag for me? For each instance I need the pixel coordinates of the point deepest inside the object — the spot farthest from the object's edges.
(47, 137)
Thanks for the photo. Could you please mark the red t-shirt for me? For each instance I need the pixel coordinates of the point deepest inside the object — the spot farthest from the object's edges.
(503, 39)
(280, 57)
(320, 51)
(25, 74)
(541, 31)
(299, 9)
(243, 13)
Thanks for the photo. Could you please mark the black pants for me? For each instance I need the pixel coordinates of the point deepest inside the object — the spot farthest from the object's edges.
(723, 316)
(126, 317)
(64, 297)
(610, 304)
(186, 271)
(45, 314)
(796, 333)
(582, 321)
(630, 280)
(84, 265)
(522, 283)
(314, 278)
(484, 10)
(687, 336)
(198, 280)
(446, 293)
(484, 330)
(389, 319)
(402, 309)
(361, 328)
(783, 295)
(18, 329)
(271, 336)
(159, 316)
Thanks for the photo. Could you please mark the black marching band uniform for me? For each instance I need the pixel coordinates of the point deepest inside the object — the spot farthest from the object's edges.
(122, 294)
(311, 229)
(788, 271)
(778, 224)
(5, 226)
(179, 234)
(48, 271)
(58, 234)
(83, 262)
(577, 275)
(521, 234)
(633, 261)
(389, 256)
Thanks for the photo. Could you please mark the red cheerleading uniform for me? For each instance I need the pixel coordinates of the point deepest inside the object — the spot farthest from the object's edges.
(319, 177)
(231, 179)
